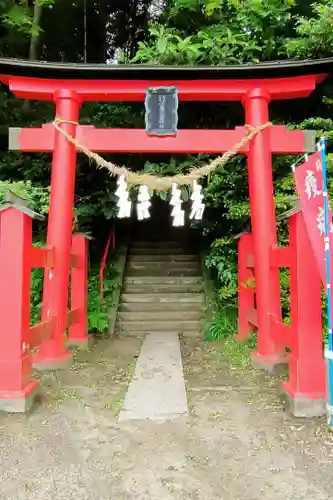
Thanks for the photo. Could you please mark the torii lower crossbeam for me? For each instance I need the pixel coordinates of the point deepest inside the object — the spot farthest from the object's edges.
(281, 140)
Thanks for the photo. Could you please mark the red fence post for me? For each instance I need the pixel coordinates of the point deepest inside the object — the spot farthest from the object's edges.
(17, 388)
(263, 225)
(306, 387)
(246, 292)
(78, 332)
(53, 353)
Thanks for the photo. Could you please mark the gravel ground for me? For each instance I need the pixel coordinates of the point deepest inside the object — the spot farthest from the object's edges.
(237, 444)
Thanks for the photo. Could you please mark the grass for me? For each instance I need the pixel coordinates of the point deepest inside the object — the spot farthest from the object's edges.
(238, 353)
(222, 329)
(115, 405)
(222, 325)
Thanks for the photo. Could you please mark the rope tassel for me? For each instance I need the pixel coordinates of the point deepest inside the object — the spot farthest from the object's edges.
(177, 213)
(143, 203)
(197, 206)
(124, 204)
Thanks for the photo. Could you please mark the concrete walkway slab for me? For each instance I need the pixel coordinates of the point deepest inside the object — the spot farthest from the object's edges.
(157, 389)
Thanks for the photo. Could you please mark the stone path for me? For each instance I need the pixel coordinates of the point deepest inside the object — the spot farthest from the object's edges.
(157, 390)
(237, 443)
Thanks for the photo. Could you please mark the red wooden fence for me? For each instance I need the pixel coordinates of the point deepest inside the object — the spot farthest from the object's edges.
(306, 387)
(17, 337)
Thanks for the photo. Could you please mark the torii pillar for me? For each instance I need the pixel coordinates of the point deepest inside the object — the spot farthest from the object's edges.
(263, 222)
(53, 354)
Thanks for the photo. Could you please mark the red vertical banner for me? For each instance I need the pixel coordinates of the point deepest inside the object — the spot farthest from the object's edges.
(309, 185)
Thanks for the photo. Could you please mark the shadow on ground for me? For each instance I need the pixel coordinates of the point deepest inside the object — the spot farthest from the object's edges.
(237, 444)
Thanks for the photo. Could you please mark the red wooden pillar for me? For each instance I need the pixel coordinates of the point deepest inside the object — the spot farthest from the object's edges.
(263, 225)
(246, 293)
(78, 332)
(17, 387)
(53, 353)
(306, 387)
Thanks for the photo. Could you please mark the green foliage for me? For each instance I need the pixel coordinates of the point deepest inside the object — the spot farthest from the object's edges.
(285, 294)
(98, 306)
(222, 259)
(38, 197)
(19, 18)
(37, 278)
(171, 168)
(210, 46)
(216, 32)
(223, 324)
(222, 328)
(315, 35)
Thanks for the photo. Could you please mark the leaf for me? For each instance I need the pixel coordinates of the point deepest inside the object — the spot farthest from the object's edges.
(211, 6)
(185, 193)
(207, 43)
(163, 195)
(162, 45)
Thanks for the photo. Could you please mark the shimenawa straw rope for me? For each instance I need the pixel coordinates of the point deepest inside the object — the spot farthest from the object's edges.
(152, 181)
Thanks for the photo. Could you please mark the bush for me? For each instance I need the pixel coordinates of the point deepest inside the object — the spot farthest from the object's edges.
(98, 307)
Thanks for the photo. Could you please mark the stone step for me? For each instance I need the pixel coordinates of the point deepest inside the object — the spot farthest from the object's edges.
(138, 266)
(185, 334)
(163, 288)
(163, 280)
(165, 258)
(163, 307)
(156, 326)
(162, 271)
(159, 251)
(157, 244)
(159, 316)
(163, 299)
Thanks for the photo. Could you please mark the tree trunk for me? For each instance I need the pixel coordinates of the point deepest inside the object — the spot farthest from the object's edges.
(34, 41)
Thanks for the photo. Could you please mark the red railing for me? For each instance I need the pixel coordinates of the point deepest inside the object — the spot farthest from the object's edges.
(303, 336)
(17, 337)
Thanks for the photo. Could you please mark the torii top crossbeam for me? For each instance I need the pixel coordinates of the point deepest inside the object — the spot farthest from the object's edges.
(112, 82)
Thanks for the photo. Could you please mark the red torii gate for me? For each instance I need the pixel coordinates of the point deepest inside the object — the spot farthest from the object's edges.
(120, 83)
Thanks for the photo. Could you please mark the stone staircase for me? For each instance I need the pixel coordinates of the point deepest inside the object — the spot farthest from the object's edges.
(162, 290)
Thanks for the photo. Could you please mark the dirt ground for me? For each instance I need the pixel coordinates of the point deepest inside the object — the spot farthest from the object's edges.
(237, 444)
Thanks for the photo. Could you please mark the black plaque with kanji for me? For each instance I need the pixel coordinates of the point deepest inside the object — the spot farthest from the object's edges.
(161, 111)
